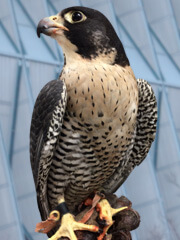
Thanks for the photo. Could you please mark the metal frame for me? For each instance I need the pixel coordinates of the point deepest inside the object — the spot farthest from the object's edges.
(10, 185)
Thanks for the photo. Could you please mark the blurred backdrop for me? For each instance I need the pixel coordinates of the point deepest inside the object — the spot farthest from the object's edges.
(149, 30)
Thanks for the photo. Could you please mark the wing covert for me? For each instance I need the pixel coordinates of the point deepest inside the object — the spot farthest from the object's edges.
(146, 122)
(46, 124)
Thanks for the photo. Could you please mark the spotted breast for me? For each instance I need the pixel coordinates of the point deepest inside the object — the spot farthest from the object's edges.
(97, 132)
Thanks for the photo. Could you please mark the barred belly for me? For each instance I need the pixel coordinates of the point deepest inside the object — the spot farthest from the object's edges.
(82, 160)
(69, 174)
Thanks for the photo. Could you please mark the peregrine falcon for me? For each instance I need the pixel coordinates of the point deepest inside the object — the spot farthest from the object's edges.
(96, 122)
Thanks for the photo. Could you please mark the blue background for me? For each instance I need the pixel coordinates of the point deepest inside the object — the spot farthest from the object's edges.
(149, 30)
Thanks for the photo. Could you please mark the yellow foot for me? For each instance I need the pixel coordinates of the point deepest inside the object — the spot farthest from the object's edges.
(106, 212)
(69, 225)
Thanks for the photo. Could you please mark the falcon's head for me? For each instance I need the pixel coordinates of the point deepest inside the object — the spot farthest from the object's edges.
(85, 33)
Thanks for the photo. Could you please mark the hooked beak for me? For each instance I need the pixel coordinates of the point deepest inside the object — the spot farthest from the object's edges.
(49, 25)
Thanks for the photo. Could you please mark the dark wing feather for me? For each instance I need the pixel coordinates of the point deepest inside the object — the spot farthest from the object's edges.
(46, 123)
(146, 122)
(145, 135)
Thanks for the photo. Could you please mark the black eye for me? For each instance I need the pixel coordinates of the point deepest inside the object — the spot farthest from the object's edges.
(77, 16)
